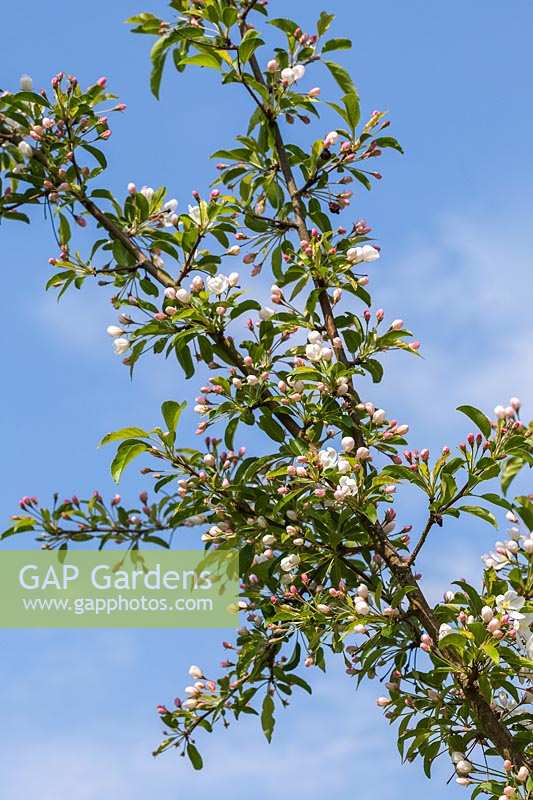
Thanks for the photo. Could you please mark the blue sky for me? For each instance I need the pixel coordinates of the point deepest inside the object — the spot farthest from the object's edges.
(453, 217)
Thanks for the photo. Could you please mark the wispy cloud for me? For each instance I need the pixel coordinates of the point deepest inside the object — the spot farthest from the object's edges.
(469, 295)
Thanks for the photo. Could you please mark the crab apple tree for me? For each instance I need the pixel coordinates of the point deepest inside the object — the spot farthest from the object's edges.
(325, 571)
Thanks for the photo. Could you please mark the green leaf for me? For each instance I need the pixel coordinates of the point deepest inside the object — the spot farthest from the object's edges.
(294, 660)
(475, 600)
(298, 681)
(453, 640)
(183, 354)
(337, 44)
(353, 111)
(209, 60)
(324, 22)
(342, 76)
(480, 512)
(510, 471)
(123, 433)
(156, 74)
(375, 369)
(64, 229)
(249, 45)
(478, 418)
(285, 25)
(31, 97)
(389, 141)
(126, 452)
(491, 651)
(96, 154)
(171, 412)
(194, 756)
(230, 432)
(271, 428)
(498, 501)
(267, 717)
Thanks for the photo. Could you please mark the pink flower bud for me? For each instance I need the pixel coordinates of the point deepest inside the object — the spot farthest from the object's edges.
(102, 82)
(522, 775)
(493, 625)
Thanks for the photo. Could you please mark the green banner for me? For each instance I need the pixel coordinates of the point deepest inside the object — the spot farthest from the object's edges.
(114, 589)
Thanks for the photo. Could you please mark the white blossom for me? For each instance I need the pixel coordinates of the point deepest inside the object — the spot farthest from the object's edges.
(120, 346)
(183, 296)
(444, 630)
(290, 562)
(314, 351)
(328, 458)
(25, 149)
(217, 284)
(147, 192)
(195, 214)
(195, 672)
(299, 71)
(510, 603)
(347, 488)
(266, 313)
(366, 253)
(114, 330)
(292, 74)
(26, 83)
(170, 218)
